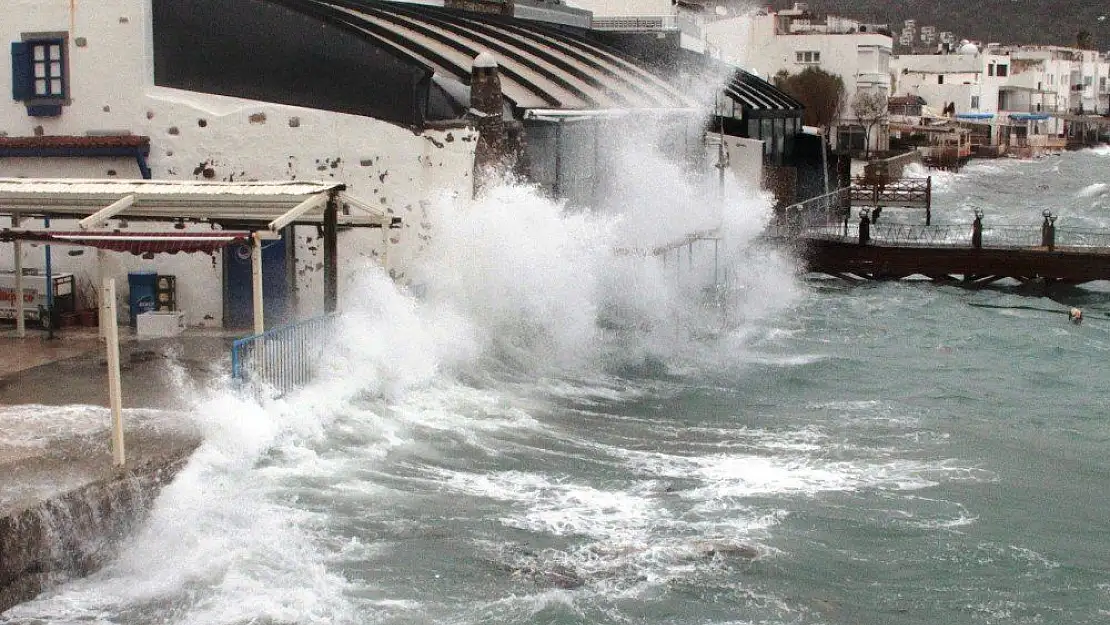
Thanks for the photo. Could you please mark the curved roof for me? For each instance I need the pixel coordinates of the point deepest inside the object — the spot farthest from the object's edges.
(540, 66)
(752, 92)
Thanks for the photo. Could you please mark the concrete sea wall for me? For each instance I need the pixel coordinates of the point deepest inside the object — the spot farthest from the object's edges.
(46, 542)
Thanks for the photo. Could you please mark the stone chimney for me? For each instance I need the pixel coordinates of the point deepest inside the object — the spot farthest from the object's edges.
(486, 111)
(494, 7)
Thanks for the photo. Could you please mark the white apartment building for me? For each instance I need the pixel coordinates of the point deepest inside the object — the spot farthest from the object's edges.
(1071, 80)
(1007, 84)
(968, 81)
(766, 43)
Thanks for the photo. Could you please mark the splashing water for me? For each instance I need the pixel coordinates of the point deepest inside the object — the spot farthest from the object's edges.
(515, 288)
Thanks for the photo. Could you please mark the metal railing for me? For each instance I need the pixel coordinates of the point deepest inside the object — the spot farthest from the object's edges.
(959, 235)
(635, 23)
(903, 192)
(282, 359)
(822, 210)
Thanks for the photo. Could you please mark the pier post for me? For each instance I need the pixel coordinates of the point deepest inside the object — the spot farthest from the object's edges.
(864, 226)
(929, 201)
(1048, 231)
(977, 230)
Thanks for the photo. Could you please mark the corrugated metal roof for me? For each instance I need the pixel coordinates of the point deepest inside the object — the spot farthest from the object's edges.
(245, 202)
(540, 66)
(755, 93)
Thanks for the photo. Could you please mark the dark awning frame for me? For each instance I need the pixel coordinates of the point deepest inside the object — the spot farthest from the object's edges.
(137, 243)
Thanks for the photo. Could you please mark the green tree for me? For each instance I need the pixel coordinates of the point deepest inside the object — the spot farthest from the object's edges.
(820, 92)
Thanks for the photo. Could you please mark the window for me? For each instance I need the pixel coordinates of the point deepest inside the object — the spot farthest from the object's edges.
(975, 102)
(1003, 70)
(940, 79)
(46, 64)
(990, 70)
(808, 56)
(40, 73)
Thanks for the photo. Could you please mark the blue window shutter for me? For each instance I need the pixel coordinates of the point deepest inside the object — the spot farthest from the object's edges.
(23, 84)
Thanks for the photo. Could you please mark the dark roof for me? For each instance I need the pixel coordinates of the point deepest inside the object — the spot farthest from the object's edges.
(540, 66)
(752, 92)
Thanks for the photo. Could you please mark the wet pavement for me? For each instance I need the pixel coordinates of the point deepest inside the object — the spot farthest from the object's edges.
(72, 369)
(54, 397)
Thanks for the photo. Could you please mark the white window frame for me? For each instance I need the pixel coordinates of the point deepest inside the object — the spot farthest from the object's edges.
(807, 57)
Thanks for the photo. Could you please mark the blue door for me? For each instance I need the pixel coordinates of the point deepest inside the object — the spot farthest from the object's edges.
(238, 299)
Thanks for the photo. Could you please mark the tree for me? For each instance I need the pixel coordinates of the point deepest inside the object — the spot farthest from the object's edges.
(821, 93)
(1084, 40)
(870, 109)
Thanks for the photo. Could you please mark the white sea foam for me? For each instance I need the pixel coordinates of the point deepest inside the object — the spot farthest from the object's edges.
(1093, 190)
(512, 288)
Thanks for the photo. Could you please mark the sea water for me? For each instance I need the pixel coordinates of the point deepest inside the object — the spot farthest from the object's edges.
(490, 453)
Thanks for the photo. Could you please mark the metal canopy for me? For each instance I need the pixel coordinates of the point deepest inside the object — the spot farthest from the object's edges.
(757, 94)
(247, 203)
(540, 66)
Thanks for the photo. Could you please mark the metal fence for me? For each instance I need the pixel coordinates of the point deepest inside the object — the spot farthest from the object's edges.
(822, 210)
(283, 359)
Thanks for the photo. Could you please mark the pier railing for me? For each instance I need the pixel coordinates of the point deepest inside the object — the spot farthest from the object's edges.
(960, 235)
(902, 192)
(283, 359)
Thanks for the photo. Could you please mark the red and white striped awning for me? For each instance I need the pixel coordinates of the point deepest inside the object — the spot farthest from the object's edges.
(133, 242)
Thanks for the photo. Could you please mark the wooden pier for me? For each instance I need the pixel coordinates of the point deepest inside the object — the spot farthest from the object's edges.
(972, 254)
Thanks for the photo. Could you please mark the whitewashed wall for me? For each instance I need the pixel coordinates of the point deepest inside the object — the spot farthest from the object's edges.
(860, 59)
(207, 137)
(623, 8)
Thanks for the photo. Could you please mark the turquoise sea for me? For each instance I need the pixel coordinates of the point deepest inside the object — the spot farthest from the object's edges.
(871, 454)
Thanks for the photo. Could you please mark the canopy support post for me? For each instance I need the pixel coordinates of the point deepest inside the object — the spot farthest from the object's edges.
(115, 394)
(17, 251)
(101, 217)
(102, 275)
(256, 283)
(331, 255)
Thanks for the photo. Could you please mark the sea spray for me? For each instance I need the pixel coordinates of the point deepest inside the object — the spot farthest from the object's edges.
(514, 287)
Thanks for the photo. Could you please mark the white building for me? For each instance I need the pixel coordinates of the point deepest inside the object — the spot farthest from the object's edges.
(967, 81)
(1072, 80)
(767, 43)
(1027, 88)
(154, 89)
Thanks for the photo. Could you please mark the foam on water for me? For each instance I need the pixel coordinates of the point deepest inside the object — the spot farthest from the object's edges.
(498, 399)
(1093, 190)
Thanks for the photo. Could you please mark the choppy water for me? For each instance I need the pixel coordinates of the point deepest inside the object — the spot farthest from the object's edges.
(875, 454)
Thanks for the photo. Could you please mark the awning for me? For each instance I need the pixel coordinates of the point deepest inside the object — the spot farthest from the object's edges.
(133, 242)
(237, 204)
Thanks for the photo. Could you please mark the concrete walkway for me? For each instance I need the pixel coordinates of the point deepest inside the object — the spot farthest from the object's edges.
(55, 459)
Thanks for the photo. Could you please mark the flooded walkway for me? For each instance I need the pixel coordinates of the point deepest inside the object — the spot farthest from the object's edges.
(61, 500)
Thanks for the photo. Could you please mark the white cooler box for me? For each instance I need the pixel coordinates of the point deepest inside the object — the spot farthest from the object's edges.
(156, 324)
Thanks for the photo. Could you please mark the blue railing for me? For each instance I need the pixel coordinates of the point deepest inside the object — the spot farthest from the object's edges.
(282, 359)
